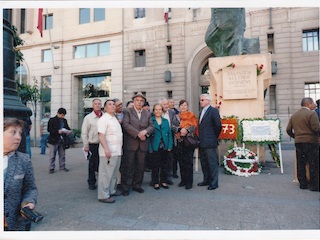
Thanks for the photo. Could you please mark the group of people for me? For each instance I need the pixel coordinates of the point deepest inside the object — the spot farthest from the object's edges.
(120, 142)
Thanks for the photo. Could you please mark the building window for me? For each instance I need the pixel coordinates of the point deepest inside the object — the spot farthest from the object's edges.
(169, 54)
(169, 94)
(273, 99)
(45, 91)
(48, 19)
(140, 13)
(92, 50)
(99, 14)
(271, 43)
(23, 21)
(84, 15)
(46, 55)
(310, 40)
(21, 74)
(140, 58)
(312, 90)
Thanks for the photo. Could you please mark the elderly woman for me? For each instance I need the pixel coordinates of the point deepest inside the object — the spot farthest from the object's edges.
(19, 185)
(160, 144)
(183, 124)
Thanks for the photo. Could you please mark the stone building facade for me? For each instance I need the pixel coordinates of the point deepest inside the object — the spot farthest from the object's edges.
(120, 51)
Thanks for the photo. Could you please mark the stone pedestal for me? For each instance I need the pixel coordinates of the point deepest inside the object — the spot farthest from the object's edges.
(237, 88)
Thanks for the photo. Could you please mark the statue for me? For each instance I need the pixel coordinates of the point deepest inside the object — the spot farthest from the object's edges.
(225, 32)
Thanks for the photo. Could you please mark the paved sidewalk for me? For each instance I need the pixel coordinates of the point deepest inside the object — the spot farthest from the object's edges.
(269, 201)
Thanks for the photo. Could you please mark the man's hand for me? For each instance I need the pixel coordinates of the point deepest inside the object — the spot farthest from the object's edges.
(183, 132)
(86, 149)
(107, 153)
(142, 135)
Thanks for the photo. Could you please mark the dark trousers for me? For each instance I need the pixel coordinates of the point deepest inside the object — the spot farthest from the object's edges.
(133, 169)
(209, 160)
(308, 153)
(184, 156)
(159, 165)
(93, 163)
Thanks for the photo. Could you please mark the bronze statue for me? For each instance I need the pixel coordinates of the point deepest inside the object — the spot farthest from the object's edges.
(225, 32)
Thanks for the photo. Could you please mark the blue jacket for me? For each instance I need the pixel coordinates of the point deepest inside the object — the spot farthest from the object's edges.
(210, 128)
(19, 187)
(164, 131)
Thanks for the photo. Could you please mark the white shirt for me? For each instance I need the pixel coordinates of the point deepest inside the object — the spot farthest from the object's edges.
(203, 112)
(111, 128)
(166, 116)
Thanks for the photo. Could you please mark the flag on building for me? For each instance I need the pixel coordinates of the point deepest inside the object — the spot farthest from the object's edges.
(166, 14)
(40, 23)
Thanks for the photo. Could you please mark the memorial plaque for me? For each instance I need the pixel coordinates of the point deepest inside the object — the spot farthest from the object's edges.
(239, 82)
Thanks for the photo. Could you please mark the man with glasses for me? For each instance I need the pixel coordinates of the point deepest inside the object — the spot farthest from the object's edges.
(57, 126)
(209, 131)
(118, 112)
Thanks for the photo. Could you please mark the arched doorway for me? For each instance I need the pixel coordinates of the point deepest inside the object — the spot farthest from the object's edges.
(197, 81)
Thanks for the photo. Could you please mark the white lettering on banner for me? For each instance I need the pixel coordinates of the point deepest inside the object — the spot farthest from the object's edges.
(261, 130)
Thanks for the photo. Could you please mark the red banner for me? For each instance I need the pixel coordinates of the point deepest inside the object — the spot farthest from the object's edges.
(229, 129)
(40, 24)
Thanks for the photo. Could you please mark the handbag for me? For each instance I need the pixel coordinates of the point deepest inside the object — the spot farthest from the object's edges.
(65, 140)
(191, 141)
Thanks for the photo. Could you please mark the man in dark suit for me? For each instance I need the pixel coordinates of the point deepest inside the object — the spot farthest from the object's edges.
(209, 130)
(137, 125)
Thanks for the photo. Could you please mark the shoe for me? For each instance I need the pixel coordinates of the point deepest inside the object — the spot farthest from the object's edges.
(125, 193)
(117, 193)
(107, 200)
(303, 187)
(51, 171)
(313, 189)
(165, 186)
(169, 182)
(147, 170)
(156, 187)
(212, 188)
(92, 187)
(188, 186)
(64, 169)
(175, 175)
(42, 153)
(203, 184)
(181, 184)
(139, 190)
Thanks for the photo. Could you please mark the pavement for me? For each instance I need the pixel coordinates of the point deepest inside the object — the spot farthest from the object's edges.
(267, 206)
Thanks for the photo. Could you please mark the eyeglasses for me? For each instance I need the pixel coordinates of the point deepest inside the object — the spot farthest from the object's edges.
(201, 100)
(119, 105)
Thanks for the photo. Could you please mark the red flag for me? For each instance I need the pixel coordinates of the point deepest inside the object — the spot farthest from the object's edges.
(40, 26)
(166, 17)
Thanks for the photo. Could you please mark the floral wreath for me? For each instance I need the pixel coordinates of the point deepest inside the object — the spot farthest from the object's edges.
(241, 162)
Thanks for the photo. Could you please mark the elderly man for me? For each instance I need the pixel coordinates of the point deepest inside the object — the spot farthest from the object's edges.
(209, 130)
(89, 135)
(110, 151)
(44, 134)
(303, 126)
(169, 114)
(137, 125)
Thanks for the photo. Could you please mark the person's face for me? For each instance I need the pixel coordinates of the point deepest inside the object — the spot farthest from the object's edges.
(147, 108)
(60, 115)
(110, 107)
(312, 106)
(204, 102)
(165, 105)
(171, 103)
(183, 107)
(130, 105)
(118, 106)
(138, 102)
(96, 105)
(157, 111)
(11, 138)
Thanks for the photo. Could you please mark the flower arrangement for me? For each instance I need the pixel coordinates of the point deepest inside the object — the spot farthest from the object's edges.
(241, 162)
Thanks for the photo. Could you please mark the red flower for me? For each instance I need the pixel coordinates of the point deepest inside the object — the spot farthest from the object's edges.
(233, 65)
(216, 95)
(261, 66)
